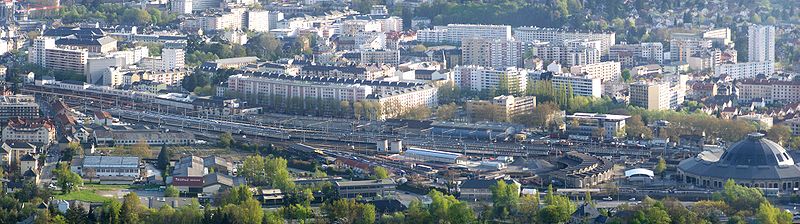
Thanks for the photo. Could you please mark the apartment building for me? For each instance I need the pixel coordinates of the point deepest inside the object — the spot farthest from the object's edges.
(630, 55)
(365, 188)
(491, 52)
(171, 58)
(769, 90)
(389, 57)
(29, 130)
(651, 95)
(745, 70)
(286, 86)
(368, 72)
(23, 106)
(66, 59)
(398, 102)
(581, 85)
(684, 45)
(569, 53)
(510, 105)
(557, 36)
(478, 78)
(37, 51)
(455, 33)
(760, 43)
(606, 71)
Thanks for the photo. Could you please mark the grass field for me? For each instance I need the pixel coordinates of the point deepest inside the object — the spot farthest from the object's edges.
(83, 195)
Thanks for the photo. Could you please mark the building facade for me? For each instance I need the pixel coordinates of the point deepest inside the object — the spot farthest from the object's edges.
(760, 43)
(478, 78)
(532, 34)
(491, 52)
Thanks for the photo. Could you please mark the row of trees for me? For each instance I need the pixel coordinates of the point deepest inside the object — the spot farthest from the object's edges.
(110, 14)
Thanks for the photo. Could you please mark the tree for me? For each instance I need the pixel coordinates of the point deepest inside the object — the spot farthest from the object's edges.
(767, 214)
(780, 134)
(131, 208)
(661, 166)
(247, 212)
(446, 112)
(637, 129)
(755, 18)
(171, 191)
(741, 197)
(559, 208)
(348, 211)
(73, 149)
(226, 139)
(76, 215)
(528, 208)
(626, 75)
(505, 198)
(381, 173)
(267, 171)
(163, 158)
(141, 149)
(264, 46)
(68, 181)
(111, 212)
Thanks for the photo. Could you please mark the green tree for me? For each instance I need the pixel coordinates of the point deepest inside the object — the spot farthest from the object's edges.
(73, 149)
(626, 75)
(76, 215)
(349, 212)
(171, 191)
(528, 208)
(558, 208)
(264, 46)
(505, 198)
(111, 212)
(381, 173)
(66, 179)
(141, 149)
(131, 209)
(780, 134)
(226, 139)
(661, 166)
(163, 158)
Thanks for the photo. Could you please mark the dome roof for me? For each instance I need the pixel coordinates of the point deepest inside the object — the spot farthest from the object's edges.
(754, 158)
(755, 150)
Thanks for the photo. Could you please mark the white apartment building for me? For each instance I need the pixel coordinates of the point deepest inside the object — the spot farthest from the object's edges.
(745, 69)
(391, 57)
(653, 51)
(606, 71)
(581, 85)
(455, 33)
(171, 58)
(396, 103)
(769, 90)
(760, 43)
(651, 95)
(258, 21)
(96, 67)
(37, 53)
(571, 53)
(478, 78)
(182, 6)
(23, 106)
(557, 36)
(287, 88)
(491, 52)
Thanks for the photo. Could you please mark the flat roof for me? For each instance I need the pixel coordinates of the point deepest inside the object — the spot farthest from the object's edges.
(111, 161)
(365, 182)
(598, 116)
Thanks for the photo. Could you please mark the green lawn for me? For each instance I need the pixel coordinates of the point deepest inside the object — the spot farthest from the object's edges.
(83, 195)
(105, 187)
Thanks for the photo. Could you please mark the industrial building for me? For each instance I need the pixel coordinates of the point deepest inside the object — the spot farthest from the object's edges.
(428, 155)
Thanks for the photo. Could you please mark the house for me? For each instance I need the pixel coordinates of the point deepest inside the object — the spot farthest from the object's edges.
(728, 112)
(103, 118)
(356, 166)
(271, 196)
(28, 162)
(15, 150)
(481, 190)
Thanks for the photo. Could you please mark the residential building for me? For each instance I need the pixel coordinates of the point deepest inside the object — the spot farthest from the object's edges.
(368, 72)
(389, 57)
(108, 169)
(29, 130)
(794, 124)
(14, 151)
(587, 124)
(98, 66)
(491, 52)
(760, 43)
(182, 6)
(399, 102)
(581, 85)
(630, 55)
(66, 59)
(512, 106)
(557, 36)
(745, 69)
(508, 80)
(23, 106)
(227, 63)
(37, 51)
(481, 190)
(382, 188)
(455, 33)
(606, 71)
(650, 95)
(769, 90)
(684, 45)
(568, 53)
(173, 58)
(94, 44)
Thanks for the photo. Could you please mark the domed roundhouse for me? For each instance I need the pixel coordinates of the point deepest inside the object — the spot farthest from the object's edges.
(754, 162)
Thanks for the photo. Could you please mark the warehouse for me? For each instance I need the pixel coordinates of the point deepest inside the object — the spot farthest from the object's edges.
(428, 155)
